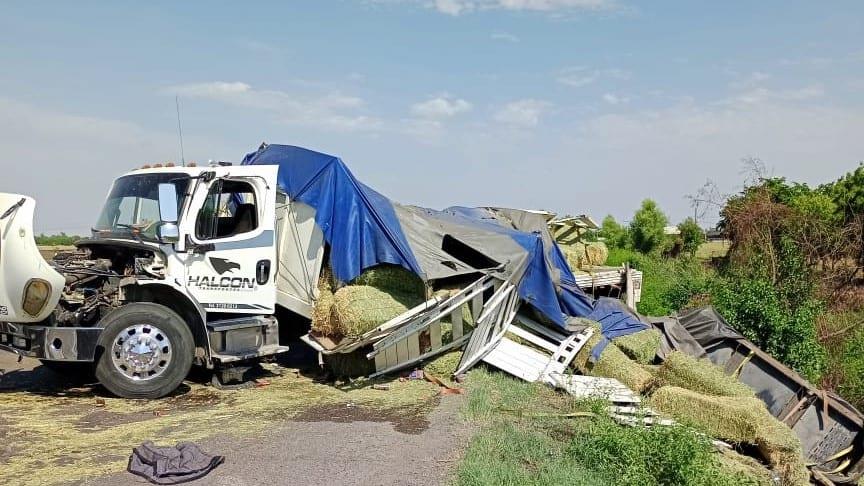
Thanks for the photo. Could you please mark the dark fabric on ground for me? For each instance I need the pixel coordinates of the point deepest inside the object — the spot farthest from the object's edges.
(171, 465)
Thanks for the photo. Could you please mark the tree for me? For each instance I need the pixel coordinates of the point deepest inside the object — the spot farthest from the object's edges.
(691, 235)
(647, 227)
(614, 235)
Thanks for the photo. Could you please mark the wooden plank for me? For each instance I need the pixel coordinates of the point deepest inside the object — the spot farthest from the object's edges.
(456, 319)
(380, 362)
(476, 308)
(402, 351)
(540, 329)
(392, 358)
(413, 342)
(630, 295)
(533, 339)
(435, 335)
(441, 350)
(595, 387)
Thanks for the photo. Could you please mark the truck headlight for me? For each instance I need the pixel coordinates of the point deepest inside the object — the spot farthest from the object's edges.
(36, 295)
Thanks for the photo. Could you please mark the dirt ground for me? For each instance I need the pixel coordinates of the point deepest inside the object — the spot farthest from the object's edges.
(291, 428)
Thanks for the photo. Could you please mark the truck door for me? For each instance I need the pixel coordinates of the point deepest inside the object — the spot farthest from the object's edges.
(231, 264)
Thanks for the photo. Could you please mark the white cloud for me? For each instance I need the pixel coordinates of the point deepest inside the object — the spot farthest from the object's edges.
(443, 106)
(453, 7)
(526, 112)
(761, 95)
(580, 76)
(332, 111)
(504, 36)
(614, 99)
(458, 7)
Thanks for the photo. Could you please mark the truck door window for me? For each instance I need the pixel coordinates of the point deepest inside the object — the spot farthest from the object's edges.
(230, 209)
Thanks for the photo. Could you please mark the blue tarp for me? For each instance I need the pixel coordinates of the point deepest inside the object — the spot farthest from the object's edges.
(363, 230)
(358, 223)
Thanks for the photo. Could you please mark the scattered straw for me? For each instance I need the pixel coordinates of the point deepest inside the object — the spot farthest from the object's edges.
(640, 346)
(55, 439)
(701, 376)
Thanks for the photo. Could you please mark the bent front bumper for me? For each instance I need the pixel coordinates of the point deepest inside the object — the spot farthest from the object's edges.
(52, 343)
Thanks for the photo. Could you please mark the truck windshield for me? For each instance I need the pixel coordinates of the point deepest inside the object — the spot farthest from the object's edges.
(133, 205)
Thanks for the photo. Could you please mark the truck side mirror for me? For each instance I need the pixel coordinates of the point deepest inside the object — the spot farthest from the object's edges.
(168, 230)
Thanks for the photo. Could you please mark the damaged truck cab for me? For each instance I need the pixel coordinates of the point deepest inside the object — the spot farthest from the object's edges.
(181, 269)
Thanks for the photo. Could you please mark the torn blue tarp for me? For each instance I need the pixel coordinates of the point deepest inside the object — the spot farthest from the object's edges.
(363, 229)
(358, 223)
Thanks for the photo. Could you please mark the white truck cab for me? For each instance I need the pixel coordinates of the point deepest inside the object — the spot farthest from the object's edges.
(185, 265)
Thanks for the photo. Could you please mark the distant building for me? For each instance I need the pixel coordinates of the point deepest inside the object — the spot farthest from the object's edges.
(671, 230)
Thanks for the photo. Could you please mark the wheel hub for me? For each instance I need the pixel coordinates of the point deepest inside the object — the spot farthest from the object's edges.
(141, 352)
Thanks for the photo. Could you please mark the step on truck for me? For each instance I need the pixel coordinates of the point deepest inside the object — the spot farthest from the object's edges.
(185, 265)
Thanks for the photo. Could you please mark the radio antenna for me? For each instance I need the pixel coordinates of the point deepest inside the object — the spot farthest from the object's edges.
(180, 130)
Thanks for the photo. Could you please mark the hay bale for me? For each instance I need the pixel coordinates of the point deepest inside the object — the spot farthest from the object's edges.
(321, 310)
(613, 363)
(376, 296)
(640, 346)
(701, 376)
(743, 420)
(585, 255)
(361, 308)
(391, 278)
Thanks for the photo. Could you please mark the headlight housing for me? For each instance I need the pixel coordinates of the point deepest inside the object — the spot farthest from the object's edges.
(36, 294)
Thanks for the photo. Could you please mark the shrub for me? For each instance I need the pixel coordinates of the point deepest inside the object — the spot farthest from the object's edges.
(762, 313)
(615, 235)
(691, 235)
(647, 227)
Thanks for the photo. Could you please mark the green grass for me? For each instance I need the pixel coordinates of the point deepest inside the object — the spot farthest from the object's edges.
(713, 249)
(524, 438)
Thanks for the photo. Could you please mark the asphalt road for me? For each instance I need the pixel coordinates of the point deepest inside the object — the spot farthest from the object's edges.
(320, 446)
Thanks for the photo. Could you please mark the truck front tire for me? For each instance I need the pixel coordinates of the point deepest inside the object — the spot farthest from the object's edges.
(146, 351)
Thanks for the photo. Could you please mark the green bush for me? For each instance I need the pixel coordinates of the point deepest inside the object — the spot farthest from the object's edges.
(691, 235)
(647, 227)
(757, 309)
(668, 284)
(61, 239)
(650, 455)
(852, 364)
(615, 235)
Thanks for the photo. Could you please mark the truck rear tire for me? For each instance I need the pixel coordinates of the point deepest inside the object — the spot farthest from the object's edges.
(146, 351)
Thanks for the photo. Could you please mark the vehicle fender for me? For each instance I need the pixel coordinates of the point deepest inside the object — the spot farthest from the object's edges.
(175, 297)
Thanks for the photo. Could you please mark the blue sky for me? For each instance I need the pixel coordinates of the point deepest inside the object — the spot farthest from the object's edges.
(568, 105)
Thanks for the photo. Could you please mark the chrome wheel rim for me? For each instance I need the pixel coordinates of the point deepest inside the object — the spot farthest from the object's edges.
(141, 352)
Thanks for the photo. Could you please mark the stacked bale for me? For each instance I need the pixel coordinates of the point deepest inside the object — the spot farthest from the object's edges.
(373, 298)
(585, 255)
(700, 376)
(640, 346)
